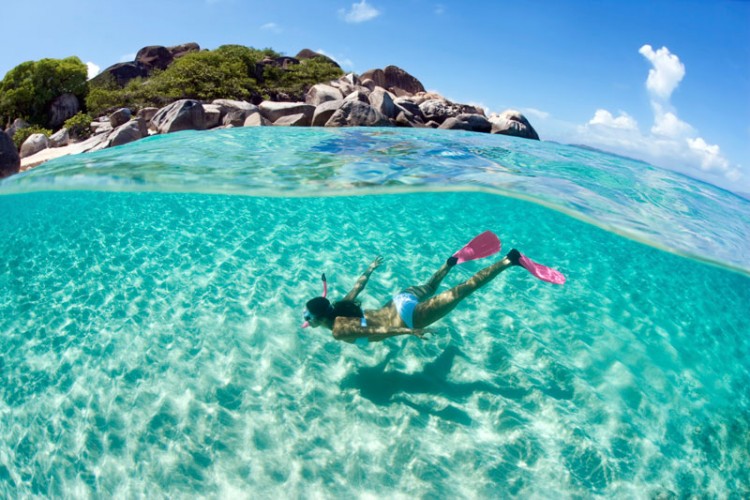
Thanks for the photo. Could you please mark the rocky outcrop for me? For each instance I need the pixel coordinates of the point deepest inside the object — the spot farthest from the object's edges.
(120, 117)
(272, 111)
(10, 162)
(154, 57)
(379, 98)
(121, 73)
(320, 93)
(102, 126)
(466, 121)
(296, 120)
(63, 107)
(185, 114)
(213, 115)
(512, 122)
(309, 54)
(33, 144)
(147, 60)
(17, 125)
(325, 111)
(59, 139)
(128, 132)
(178, 51)
(394, 79)
(256, 120)
(233, 113)
(147, 113)
(355, 113)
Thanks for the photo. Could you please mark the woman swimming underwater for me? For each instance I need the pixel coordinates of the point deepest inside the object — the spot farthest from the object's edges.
(413, 309)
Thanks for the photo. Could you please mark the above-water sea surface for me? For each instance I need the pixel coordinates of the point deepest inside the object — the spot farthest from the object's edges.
(151, 297)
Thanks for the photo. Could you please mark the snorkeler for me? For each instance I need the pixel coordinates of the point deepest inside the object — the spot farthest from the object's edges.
(412, 310)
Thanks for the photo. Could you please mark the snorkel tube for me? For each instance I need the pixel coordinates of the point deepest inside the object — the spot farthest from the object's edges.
(325, 293)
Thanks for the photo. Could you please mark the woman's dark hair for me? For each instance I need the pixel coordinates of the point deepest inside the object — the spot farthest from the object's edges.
(321, 308)
(347, 309)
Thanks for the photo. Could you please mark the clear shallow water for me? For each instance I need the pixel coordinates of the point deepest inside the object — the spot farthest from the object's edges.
(656, 206)
(150, 341)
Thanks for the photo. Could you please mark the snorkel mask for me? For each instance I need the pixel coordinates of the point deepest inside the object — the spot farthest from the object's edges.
(307, 315)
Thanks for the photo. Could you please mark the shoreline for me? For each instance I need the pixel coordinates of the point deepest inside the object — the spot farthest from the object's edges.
(346, 102)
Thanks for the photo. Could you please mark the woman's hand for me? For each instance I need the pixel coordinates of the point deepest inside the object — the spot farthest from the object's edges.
(375, 263)
(421, 332)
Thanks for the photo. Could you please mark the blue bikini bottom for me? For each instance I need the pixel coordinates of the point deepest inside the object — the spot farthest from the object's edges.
(405, 303)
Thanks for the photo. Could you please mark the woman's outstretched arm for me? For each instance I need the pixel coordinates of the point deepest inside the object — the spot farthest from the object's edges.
(362, 281)
(351, 329)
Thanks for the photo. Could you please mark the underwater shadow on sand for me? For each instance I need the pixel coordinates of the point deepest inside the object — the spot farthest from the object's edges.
(385, 388)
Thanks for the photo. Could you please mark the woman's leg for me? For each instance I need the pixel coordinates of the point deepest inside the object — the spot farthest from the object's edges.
(427, 290)
(435, 308)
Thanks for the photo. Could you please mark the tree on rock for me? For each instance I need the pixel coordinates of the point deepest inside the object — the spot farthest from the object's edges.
(29, 89)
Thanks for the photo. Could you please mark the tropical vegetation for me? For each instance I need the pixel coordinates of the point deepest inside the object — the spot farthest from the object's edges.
(228, 72)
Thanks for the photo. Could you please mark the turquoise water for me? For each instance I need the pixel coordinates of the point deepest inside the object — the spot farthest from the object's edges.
(151, 296)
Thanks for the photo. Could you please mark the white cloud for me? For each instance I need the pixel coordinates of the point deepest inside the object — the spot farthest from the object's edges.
(93, 70)
(667, 124)
(670, 142)
(666, 74)
(604, 118)
(709, 154)
(272, 27)
(536, 113)
(359, 12)
(127, 58)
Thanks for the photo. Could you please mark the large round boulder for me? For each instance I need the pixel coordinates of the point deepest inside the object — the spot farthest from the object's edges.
(178, 51)
(63, 107)
(59, 139)
(272, 111)
(394, 79)
(154, 57)
(185, 114)
(309, 54)
(17, 125)
(381, 100)
(120, 117)
(128, 132)
(512, 122)
(10, 162)
(357, 114)
(33, 144)
(466, 121)
(234, 113)
(320, 93)
(324, 112)
(122, 73)
(437, 110)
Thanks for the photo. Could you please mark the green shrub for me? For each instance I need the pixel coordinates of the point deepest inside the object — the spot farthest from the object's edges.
(79, 126)
(27, 91)
(106, 96)
(296, 80)
(21, 135)
(205, 75)
(229, 72)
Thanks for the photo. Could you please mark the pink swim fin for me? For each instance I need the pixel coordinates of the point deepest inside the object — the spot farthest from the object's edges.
(481, 246)
(544, 273)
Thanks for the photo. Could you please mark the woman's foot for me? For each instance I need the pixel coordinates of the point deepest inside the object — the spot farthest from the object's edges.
(514, 256)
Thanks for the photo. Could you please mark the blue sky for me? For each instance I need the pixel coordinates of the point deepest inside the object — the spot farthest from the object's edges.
(666, 81)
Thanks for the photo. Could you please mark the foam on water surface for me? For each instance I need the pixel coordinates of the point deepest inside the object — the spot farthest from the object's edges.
(150, 346)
